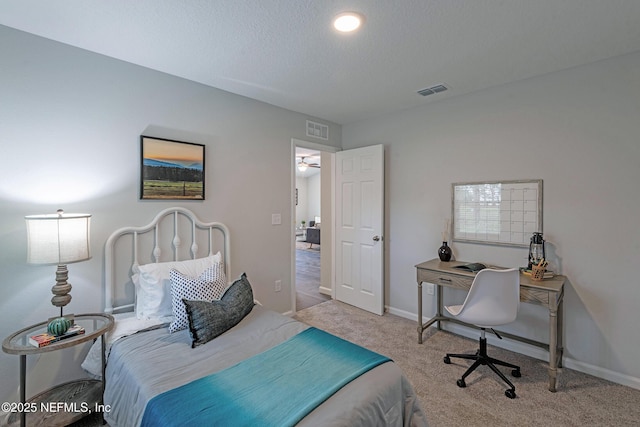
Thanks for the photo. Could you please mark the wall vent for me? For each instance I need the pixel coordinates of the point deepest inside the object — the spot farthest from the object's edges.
(317, 130)
(433, 89)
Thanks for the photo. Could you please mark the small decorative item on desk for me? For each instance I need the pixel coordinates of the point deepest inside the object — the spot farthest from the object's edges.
(444, 252)
(537, 271)
(536, 250)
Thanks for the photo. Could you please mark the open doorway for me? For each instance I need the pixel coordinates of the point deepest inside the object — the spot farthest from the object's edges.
(308, 221)
(312, 266)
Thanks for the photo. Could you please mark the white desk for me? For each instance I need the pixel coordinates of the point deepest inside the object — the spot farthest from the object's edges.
(548, 293)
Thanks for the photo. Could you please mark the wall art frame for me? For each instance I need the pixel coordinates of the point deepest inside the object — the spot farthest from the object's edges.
(171, 170)
(496, 212)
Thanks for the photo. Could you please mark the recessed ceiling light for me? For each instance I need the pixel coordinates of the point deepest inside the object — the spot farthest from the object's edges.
(348, 21)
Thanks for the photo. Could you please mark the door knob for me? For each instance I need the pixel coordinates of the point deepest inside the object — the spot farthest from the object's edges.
(376, 238)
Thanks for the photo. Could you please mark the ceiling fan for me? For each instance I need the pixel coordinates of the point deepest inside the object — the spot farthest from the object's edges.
(302, 165)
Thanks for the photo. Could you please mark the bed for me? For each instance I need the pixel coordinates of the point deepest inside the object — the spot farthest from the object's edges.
(235, 362)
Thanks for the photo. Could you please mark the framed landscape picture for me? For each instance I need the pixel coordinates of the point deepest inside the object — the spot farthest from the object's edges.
(171, 169)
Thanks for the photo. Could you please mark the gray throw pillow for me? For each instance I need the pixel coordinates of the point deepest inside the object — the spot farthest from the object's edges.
(207, 319)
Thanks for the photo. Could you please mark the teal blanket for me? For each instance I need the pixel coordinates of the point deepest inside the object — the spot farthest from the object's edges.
(278, 387)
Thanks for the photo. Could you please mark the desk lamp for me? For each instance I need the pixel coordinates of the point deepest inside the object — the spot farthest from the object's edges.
(58, 239)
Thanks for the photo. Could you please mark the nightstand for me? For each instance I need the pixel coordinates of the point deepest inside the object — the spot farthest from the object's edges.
(65, 403)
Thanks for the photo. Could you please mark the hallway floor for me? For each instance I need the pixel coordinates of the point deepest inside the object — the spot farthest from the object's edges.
(308, 276)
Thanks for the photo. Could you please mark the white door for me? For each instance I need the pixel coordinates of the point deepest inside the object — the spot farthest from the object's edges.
(359, 225)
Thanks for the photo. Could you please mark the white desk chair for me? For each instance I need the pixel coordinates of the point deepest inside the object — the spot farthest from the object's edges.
(493, 299)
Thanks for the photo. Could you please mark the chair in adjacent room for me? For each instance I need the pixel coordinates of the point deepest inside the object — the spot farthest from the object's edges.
(493, 300)
(313, 236)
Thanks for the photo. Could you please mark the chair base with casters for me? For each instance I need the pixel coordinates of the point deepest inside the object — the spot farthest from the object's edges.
(481, 358)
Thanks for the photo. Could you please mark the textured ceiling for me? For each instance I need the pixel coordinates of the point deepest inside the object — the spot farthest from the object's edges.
(285, 52)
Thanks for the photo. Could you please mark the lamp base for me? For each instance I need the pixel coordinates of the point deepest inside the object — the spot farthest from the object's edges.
(62, 288)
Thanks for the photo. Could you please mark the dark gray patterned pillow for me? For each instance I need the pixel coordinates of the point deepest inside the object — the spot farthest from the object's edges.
(207, 320)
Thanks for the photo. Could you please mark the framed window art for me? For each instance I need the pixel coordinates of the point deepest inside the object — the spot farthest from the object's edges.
(497, 212)
(171, 170)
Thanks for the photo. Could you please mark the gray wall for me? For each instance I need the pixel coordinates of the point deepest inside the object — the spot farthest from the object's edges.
(579, 131)
(313, 197)
(70, 123)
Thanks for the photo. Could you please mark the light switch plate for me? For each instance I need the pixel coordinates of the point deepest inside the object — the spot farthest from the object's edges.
(276, 219)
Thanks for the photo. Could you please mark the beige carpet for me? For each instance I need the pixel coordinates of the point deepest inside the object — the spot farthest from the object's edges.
(581, 400)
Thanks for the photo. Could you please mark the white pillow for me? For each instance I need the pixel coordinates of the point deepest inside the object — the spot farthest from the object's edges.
(209, 286)
(153, 284)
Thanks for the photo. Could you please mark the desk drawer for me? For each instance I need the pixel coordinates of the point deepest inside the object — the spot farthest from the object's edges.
(534, 296)
(444, 279)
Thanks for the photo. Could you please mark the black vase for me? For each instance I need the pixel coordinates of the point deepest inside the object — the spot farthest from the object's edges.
(444, 252)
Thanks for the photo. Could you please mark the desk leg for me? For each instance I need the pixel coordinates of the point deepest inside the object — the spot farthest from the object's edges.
(23, 388)
(560, 334)
(553, 346)
(439, 305)
(437, 318)
(420, 313)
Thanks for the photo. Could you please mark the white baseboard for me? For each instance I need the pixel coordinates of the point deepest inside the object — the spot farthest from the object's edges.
(325, 291)
(528, 350)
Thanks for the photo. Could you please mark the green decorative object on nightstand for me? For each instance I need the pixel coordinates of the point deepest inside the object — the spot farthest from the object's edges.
(59, 326)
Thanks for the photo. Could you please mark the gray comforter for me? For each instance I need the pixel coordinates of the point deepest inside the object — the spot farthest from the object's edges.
(148, 363)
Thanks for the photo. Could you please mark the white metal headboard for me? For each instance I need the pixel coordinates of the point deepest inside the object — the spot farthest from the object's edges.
(176, 243)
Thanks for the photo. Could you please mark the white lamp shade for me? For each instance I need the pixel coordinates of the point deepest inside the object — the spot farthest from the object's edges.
(58, 238)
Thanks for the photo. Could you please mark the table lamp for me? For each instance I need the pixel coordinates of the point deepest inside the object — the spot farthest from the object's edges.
(58, 239)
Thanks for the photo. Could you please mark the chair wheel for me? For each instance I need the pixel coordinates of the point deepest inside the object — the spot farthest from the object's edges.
(447, 360)
(461, 383)
(516, 373)
(511, 394)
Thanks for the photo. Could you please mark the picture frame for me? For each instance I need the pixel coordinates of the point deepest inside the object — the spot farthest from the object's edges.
(503, 213)
(171, 170)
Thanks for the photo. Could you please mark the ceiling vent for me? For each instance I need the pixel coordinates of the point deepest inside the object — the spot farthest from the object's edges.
(317, 130)
(433, 89)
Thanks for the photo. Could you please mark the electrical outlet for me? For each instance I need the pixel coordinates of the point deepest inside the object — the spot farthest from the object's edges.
(278, 286)
(430, 288)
